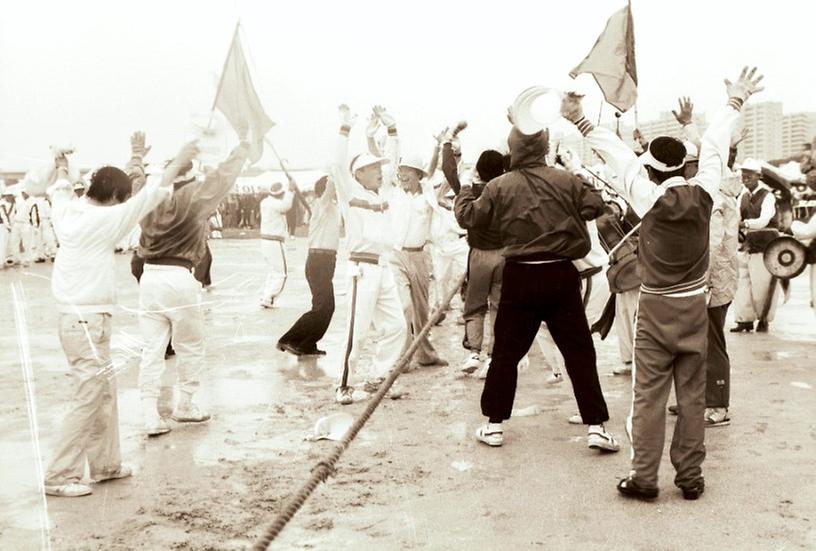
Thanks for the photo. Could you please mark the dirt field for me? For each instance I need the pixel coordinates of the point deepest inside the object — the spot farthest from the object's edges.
(414, 478)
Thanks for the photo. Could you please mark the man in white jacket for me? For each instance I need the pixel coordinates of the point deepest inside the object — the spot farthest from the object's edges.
(273, 235)
(84, 286)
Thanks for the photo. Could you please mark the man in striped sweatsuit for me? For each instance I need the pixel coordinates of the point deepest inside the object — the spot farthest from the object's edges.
(671, 324)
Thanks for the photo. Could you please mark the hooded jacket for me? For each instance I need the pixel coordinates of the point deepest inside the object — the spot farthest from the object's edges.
(539, 212)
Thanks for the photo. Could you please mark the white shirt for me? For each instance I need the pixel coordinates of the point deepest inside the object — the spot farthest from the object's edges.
(412, 216)
(21, 213)
(804, 230)
(767, 211)
(273, 214)
(324, 223)
(367, 231)
(84, 276)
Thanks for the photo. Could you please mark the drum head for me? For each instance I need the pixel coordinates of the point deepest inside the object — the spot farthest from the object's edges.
(785, 257)
(536, 108)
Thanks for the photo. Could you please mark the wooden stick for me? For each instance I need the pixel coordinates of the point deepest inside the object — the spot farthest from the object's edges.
(298, 194)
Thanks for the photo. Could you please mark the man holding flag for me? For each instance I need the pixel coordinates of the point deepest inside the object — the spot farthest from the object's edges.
(173, 243)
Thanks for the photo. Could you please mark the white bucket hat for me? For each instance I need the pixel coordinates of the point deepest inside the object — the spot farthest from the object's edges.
(366, 159)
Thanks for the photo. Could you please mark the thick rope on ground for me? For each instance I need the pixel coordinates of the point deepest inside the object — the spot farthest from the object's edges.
(325, 467)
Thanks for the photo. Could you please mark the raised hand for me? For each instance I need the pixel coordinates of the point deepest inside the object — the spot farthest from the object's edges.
(747, 84)
(346, 117)
(571, 108)
(385, 117)
(441, 136)
(137, 144)
(686, 110)
(373, 124)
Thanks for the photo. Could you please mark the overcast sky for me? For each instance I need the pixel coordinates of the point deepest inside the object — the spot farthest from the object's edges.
(90, 72)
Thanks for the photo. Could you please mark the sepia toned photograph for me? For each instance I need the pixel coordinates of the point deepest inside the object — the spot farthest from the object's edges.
(407, 276)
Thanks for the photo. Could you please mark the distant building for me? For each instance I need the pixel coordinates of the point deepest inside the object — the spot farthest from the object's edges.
(798, 129)
(764, 124)
(667, 125)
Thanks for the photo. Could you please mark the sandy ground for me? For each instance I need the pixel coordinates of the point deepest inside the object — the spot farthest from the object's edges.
(414, 478)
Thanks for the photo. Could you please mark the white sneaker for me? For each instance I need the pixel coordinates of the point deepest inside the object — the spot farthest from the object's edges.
(189, 413)
(343, 395)
(74, 489)
(156, 426)
(599, 439)
(575, 419)
(490, 434)
(473, 363)
(482, 373)
(122, 472)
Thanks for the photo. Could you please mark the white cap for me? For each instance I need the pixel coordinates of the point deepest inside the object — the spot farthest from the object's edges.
(276, 189)
(415, 162)
(751, 165)
(7, 190)
(366, 159)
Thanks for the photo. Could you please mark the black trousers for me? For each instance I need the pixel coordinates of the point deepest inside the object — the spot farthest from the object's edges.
(312, 325)
(202, 269)
(531, 294)
(718, 365)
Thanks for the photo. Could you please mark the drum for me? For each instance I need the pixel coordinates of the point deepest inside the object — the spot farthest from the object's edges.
(785, 257)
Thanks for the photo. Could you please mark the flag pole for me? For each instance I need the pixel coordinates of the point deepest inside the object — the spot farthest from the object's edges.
(298, 194)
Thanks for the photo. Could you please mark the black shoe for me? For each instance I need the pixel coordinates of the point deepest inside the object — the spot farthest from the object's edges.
(762, 327)
(695, 491)
(746, 326)
(630, 488)
(169, 352)
(314, 352)
(286, 347)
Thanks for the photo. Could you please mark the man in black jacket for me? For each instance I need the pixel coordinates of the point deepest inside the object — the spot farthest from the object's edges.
(540, 213)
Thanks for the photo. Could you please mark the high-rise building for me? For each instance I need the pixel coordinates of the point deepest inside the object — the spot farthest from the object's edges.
(797, 130)
(764, 124)
(667, 125)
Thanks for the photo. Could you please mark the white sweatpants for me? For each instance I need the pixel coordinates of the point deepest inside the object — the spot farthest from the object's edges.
(20, 236)
(376, 302)
(274, 254)
(49, 239)
(752, 288)
(170, 302)
(625, 309)
(449, 263)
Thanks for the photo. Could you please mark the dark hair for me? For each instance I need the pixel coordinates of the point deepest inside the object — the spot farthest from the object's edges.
(490, 165)
(109, 183)
(320, 186)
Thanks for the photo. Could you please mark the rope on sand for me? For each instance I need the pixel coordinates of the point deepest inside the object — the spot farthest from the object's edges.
(325, 467)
